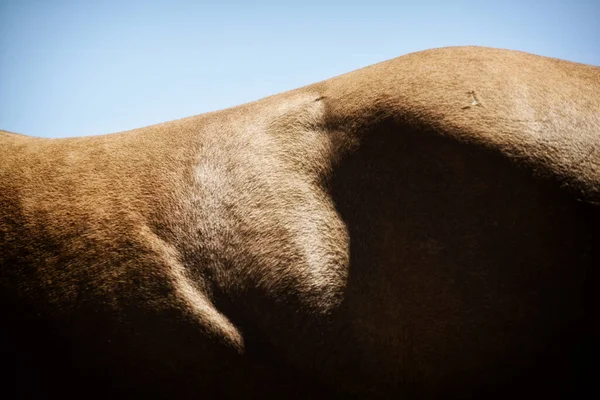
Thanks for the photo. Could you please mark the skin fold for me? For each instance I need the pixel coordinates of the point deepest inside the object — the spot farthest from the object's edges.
(423, 228)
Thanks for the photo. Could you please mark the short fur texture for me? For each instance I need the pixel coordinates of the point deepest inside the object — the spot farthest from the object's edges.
(426, 227)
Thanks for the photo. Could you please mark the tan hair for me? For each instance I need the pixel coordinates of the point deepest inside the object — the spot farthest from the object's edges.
(422, 227)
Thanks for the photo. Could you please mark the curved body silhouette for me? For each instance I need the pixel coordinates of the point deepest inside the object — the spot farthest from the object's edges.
(426, 227)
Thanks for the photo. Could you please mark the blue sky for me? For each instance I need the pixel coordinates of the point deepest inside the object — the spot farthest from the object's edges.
(70, 68)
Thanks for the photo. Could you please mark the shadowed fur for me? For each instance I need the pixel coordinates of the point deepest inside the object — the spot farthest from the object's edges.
(426, 227)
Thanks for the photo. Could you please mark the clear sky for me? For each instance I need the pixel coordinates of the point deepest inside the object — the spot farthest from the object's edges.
(70, 68)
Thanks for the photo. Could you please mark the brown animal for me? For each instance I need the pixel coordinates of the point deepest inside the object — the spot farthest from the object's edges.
(426, 227)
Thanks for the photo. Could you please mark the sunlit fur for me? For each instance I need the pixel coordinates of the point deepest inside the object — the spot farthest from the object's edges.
(425, 227)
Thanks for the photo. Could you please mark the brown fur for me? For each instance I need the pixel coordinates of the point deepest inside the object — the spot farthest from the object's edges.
(424, 227)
